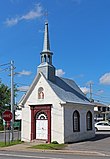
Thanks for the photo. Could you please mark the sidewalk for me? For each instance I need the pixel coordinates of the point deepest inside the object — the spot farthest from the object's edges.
(19, 147)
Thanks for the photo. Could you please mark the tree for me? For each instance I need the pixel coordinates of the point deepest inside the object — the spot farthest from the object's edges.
(5, 96)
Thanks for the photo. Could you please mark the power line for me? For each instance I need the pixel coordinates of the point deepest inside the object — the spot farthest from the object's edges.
(5, 64)
(107, 102)
(92, 94)
(101, 96)
(5, 69)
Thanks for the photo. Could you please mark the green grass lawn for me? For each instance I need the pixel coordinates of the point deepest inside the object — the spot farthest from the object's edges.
(49, 146)
(3, 144)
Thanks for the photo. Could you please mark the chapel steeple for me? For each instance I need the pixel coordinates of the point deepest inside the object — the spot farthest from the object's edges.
(46, 54)
(46, 46)
(46, 66)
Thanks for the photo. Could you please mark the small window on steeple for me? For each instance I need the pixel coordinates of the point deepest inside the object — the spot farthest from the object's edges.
(40, 93)
(48, 58)
(44, 58)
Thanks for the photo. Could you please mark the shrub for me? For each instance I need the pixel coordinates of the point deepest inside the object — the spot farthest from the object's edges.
(54, 142)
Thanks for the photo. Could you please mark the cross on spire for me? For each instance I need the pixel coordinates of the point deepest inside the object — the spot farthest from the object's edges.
(46, 16)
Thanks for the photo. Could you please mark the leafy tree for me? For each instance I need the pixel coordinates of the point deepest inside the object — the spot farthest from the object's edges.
(5, 95)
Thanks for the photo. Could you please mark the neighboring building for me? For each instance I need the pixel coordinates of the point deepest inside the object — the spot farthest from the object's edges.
(54, 108)
(101, 111)
(18, 114)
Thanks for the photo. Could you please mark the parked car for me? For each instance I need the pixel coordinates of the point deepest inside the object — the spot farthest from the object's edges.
(102, 125)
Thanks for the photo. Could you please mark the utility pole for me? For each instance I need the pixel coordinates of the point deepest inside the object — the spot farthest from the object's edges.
(91, 83)
(12, 93)
(12, 97)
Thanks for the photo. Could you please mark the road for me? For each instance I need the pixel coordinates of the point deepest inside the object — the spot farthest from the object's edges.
(101, 143)
(16, 135)
(44, 155)
(96, 148)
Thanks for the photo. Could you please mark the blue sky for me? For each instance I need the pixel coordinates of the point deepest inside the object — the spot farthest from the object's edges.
(79, 38)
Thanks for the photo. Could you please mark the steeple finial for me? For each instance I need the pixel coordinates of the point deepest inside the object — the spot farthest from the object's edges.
(46, 16)
(46, 47)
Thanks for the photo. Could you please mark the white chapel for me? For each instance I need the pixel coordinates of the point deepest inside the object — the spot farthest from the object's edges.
(54, 108)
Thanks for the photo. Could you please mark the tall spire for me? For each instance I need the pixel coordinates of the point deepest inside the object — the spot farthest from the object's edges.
(46, 54)
(46, 66)
(46, 46)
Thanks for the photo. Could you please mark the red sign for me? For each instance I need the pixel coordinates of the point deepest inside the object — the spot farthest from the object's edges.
(7, 115)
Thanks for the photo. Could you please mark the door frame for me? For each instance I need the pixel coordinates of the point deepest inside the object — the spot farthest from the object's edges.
(34, 110)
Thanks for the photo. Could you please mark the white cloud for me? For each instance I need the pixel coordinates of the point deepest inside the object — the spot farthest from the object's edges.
(60, 72)
(11, 21)
(85, 90)
(23, 88)
(105, 79)
(24, 72)
(37, 12)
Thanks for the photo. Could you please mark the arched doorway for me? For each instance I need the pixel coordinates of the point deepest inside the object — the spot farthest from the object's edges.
(41, 126)
(41, 122)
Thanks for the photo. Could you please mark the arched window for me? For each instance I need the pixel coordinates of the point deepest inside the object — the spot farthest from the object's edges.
(45, 58)
(48, 58)
(40, 93)
(89, 120)
(76, 121)
(42, 59)
(41, 116)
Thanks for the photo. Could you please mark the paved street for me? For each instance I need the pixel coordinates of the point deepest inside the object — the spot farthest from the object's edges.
(101, 143)
(97, 148)
(16, 135)
(47, 155)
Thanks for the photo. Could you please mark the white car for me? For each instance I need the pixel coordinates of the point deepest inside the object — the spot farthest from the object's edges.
(102, 125)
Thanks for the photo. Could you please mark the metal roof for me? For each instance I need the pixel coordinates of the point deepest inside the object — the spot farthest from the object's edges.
(68, 91)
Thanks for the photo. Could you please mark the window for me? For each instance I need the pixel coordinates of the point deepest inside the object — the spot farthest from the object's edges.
(104, 109)
(106, 124)
(48, 58)
(99, 109)
(44, 58)
(89, 120)
(76, 121)
(41, 58)
(40, 93)
(41, 116)
(100, 124)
